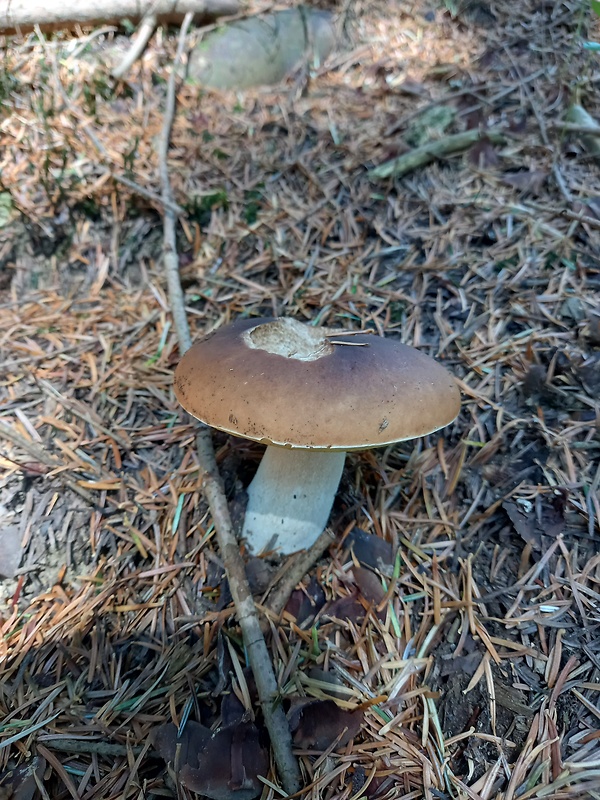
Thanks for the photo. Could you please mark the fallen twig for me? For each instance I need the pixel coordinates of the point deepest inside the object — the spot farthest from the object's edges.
(144, 33)
(421, 156)
(23, 15)
(147, 193)
(574, 127)
(301, 564)
(256, 648)
(102, 748)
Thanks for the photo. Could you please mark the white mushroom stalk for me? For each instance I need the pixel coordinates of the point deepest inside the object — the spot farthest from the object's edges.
(290, 498)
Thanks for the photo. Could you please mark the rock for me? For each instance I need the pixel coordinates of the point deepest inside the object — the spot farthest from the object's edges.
(261, 50)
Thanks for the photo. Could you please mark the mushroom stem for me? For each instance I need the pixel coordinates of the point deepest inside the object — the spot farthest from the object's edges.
(290, 498)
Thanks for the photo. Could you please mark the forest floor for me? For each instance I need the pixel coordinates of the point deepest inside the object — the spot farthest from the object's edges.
(459, 605)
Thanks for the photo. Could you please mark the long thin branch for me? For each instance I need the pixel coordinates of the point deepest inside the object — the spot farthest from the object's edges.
(143, 192)
(425, 154)
(23, 15)
(144, 34)
(171, 261)
(256, 648)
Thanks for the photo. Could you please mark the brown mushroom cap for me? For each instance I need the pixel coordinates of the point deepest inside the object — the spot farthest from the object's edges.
(280, 382)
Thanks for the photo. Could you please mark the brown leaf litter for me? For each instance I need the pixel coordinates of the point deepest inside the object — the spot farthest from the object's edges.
(457, 608)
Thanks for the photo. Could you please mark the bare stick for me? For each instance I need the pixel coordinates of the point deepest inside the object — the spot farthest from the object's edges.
(100, 748)
(143, 192)
(302, 564)
(573, 127)
(256, 648)
(171, 261)
(22, 15)
(145, 31)
(431, 151)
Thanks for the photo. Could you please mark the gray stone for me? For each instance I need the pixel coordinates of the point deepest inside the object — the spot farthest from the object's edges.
(261, 50)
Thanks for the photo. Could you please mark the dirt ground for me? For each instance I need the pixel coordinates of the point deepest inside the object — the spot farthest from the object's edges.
(475, 652)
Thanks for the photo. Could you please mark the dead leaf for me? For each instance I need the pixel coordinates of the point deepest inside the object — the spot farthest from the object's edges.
(470, 109)
(544, 518)
(592, 329)
(379, 786)
(232, 709)
(589, 375)
(593, 206)
(306, 603)
(20, 783)
(369, 585)
(190, 743)
(233, 778)
(412, 87)
(527, 181)
(573, 308)
(483, 155)
(467, 664)
(224, 665)
(534, 382)
(517, 122)
(317, 724)
(371, 551)
(477, 12)
(260, 574)
(348, 607)
(590, 207)
(223, 764)
(488, 59)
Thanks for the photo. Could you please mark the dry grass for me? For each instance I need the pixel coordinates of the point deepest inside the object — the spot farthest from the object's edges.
(482, 662)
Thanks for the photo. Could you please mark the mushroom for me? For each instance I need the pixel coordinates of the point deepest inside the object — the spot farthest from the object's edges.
(310, 394)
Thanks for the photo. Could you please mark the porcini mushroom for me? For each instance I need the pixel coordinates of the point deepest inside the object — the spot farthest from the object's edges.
(310, 394)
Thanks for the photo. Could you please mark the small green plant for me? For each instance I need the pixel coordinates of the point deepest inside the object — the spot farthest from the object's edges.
(97, 88)
(53, 178)
(595, 6)
(130, 155)
(6, 208)
(8, 84)
(252, 198)
(89, 208)
(201, 208)
(452, 7)
(397, 311)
